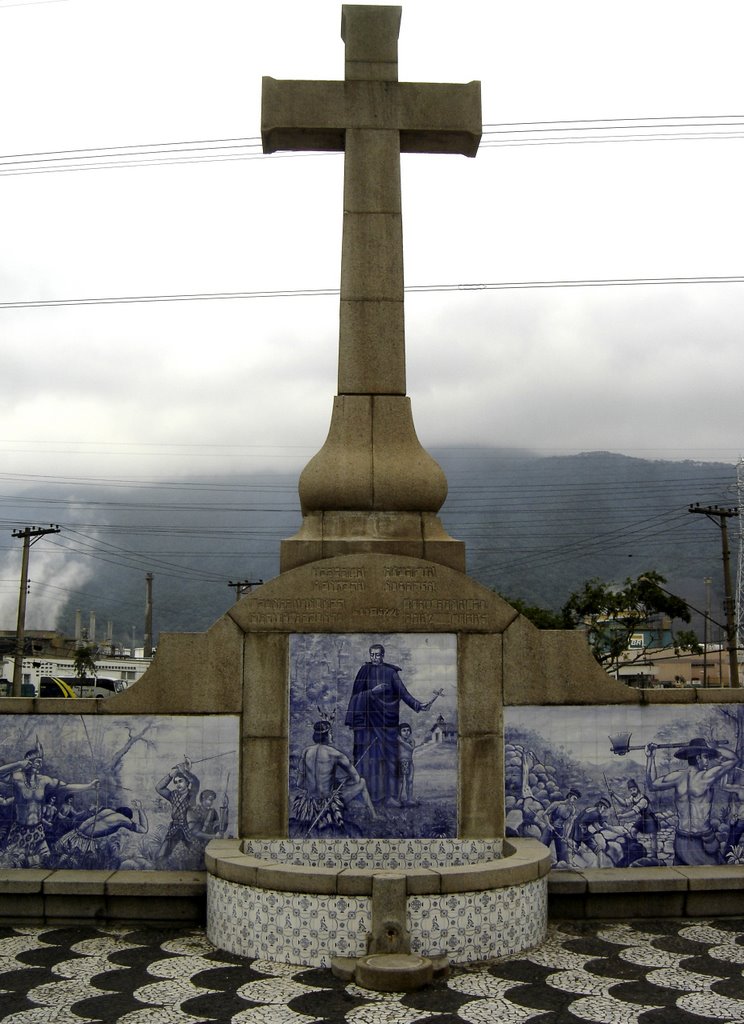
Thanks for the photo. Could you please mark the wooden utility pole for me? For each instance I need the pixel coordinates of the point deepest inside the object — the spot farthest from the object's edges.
(147, 652)
(719, 515)
(243, 587)
(30, 535)
(706, 630)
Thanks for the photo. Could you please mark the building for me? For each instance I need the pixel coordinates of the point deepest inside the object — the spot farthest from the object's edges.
(443, 732)
(51, 653)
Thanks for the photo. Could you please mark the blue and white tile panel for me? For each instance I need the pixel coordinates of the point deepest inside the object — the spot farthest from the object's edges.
(286, 927)
(473, 926)
(310, 930)
(387, 854)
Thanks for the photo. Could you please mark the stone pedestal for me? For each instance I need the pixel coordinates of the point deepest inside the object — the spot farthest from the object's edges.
(372, 488)
(412, 534)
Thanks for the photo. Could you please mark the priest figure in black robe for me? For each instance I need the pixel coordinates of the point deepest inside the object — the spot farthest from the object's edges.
(374, 714)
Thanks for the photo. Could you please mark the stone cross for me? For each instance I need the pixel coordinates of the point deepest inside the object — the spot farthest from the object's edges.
(372, 486)
(371, 117)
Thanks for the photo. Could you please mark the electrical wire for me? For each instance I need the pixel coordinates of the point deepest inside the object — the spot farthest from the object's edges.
(534, 133)
(284, 293)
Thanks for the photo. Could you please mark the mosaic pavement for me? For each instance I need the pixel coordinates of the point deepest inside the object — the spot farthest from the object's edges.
(654, 972)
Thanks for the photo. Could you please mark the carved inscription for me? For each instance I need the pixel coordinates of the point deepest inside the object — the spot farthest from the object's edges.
(462, 613)
(410, 578)
(294, 612)
(408, 597)
(384, 612)
(338, 579)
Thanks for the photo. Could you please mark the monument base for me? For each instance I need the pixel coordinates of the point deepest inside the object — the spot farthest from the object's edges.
(411, 534)
(471, 906)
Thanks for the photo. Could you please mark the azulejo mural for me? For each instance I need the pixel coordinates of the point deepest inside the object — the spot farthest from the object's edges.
(138, 792)
(373, 735)
(628, 786)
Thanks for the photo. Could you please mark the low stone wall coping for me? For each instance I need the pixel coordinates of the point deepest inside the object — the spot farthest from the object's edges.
(676, 891)
(660, 879)
(40, 895)
(126, 883)
(524, 860)
(17, 880)
(726, 876)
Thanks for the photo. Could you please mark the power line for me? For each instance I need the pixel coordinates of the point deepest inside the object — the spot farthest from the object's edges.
(668, 118)
(31, 3)
(535, 133)
(286, 293)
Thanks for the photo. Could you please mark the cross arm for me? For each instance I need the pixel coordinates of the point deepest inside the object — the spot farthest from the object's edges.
(431, 118)
(439, 118)
(302, 115)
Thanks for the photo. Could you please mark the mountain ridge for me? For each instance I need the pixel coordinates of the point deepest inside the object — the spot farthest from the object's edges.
(535, 528)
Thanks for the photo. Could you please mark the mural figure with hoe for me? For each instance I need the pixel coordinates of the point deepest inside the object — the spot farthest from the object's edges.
(356, 778)
(687, 811)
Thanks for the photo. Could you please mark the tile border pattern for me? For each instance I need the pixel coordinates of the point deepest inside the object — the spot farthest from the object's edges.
(297, 913)
(387, 854)
(310, 929)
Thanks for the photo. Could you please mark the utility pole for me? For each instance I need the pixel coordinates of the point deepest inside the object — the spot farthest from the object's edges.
(719, 515)
(706, 629)
(147, 652)
(243, 587)
(30, 535)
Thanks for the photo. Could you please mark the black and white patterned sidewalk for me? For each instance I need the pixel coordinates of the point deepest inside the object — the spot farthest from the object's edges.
(654, 972)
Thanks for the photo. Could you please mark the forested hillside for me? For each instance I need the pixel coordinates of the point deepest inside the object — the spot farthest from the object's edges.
(535, 528)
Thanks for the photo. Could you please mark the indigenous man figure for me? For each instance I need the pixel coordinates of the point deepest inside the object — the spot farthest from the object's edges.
(695, 841)
(94, 842)
(373, 714)
(329, 782)
(26, 845)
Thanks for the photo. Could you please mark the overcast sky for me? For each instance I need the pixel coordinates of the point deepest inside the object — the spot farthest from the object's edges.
(184, 387)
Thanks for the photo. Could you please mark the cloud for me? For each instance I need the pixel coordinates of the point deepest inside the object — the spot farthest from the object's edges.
(580, 370)
(52, 579)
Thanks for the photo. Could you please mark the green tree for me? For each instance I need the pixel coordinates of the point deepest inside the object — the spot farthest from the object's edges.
(543, 618)
(612, 615)
(85, 663)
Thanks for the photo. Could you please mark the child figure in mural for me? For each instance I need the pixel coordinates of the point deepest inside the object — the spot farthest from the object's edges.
(95, 841)
(205, 820)
(329, 783)
(26, 845)
(406, 746)
(68, 815)
(373, 713)
(695, 840)
(180, 788)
